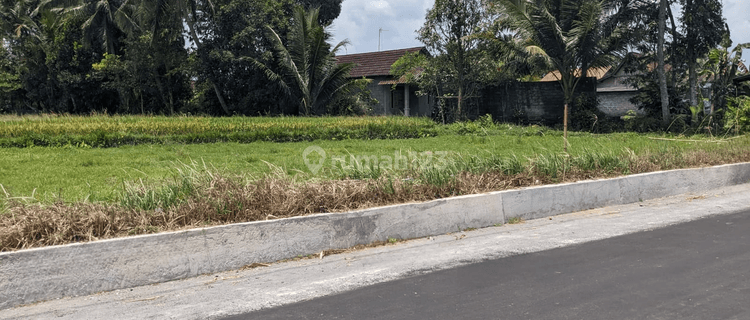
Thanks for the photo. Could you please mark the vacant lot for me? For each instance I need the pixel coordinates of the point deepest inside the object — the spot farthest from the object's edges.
(85, 178)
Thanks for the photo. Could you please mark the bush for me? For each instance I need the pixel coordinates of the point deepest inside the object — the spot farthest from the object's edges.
(357, 101)
(586, 116)
(634, 122)
(737, 114)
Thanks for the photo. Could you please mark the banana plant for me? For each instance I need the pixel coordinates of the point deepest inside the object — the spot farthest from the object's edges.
(720, 68)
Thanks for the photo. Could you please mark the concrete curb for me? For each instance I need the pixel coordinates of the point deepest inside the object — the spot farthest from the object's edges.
(28, 276)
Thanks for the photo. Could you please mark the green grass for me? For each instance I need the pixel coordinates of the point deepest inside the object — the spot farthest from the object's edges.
(150, 150)
(100, 174)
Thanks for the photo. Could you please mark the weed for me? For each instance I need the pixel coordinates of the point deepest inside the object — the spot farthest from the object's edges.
(515, 220)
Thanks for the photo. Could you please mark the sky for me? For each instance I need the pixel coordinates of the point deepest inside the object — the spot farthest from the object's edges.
(360, 20)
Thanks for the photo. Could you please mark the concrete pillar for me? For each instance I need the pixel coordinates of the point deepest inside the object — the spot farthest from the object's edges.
(406, 100)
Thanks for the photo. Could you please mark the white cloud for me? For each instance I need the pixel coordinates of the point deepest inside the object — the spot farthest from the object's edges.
(379, 7)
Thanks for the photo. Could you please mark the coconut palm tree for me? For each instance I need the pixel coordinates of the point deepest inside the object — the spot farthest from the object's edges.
(570, 36)
(307, 71)
(102, 19)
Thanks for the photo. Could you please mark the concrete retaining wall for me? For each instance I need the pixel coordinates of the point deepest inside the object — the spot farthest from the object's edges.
(33, 275)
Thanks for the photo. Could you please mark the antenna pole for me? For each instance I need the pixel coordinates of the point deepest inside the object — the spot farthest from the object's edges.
(380, 31)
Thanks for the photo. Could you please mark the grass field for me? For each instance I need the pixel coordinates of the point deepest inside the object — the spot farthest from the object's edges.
(75, 192)
(97, 174)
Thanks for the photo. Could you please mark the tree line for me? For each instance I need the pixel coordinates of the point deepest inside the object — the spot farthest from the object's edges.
(156, 56)
(476, 43)
(226, 57)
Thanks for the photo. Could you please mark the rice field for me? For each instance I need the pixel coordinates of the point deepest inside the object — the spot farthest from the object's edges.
(60, 193)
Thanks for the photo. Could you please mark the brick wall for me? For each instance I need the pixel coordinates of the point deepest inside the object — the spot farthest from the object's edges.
(616, 104)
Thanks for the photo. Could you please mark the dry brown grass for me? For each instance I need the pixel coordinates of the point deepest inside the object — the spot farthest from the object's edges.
(222, 200)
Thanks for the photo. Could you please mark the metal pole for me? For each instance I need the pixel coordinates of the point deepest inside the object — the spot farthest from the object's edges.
(380, 31)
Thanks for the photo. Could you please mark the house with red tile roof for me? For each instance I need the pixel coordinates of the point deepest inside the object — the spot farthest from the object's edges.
(376, 66)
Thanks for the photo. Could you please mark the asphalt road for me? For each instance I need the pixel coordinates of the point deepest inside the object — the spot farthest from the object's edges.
(694, 270)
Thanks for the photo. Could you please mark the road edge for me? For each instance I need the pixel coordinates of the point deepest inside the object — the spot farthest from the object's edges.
(39, 274)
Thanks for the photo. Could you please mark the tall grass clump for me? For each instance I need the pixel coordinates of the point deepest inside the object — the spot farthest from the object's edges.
(551, 165)
(360, 168)
(605, 161)
(137, 195)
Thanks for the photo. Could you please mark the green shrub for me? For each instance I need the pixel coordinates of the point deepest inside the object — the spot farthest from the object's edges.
(737, 115)
(636, 123)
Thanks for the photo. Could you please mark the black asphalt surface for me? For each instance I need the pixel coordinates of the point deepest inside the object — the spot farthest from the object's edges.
(695, 270)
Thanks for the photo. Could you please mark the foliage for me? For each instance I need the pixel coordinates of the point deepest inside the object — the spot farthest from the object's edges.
(409, 67)
(587, 117)
(638, 123)
(308, 73)
(458, 68)
(569, 36)
(51, 47)
(721, 67)
(238, 37)
(357, 101)
(737, 115)
(704, 29)
(648, 97)
(329, 9)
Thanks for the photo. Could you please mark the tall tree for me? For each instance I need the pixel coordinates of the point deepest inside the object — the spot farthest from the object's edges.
(309, 73)
(329, 9)
(104, 20)
(570, 36)
(661, 68)
(447, 33)
(194, 16)
(238, 31)
(704, 28)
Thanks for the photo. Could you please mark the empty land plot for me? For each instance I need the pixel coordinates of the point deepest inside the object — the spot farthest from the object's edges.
(76, 192)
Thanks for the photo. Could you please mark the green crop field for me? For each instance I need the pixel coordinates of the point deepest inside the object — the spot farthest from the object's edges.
(66, 178)
(78, 172)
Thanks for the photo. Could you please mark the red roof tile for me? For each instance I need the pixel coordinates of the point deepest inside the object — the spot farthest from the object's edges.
(375, 63)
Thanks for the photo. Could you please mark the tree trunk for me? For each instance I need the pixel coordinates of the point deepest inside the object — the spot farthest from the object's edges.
(673, 55)
(693, 81)
(461, 64)
(160, 87)
(661, 67)
(565, 128)
(693, 95)
(221, 98)
(460, 98)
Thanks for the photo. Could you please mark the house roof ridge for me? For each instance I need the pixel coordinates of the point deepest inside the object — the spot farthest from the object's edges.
(377, 63)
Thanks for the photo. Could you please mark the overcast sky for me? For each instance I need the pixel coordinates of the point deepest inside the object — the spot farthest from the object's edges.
(360, 20)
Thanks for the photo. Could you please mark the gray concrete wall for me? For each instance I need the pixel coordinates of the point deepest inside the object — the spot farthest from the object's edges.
(529, 102)
(616, 104)
(28, 276)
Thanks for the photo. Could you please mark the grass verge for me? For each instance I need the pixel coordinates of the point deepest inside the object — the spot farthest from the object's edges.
(201, 196)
